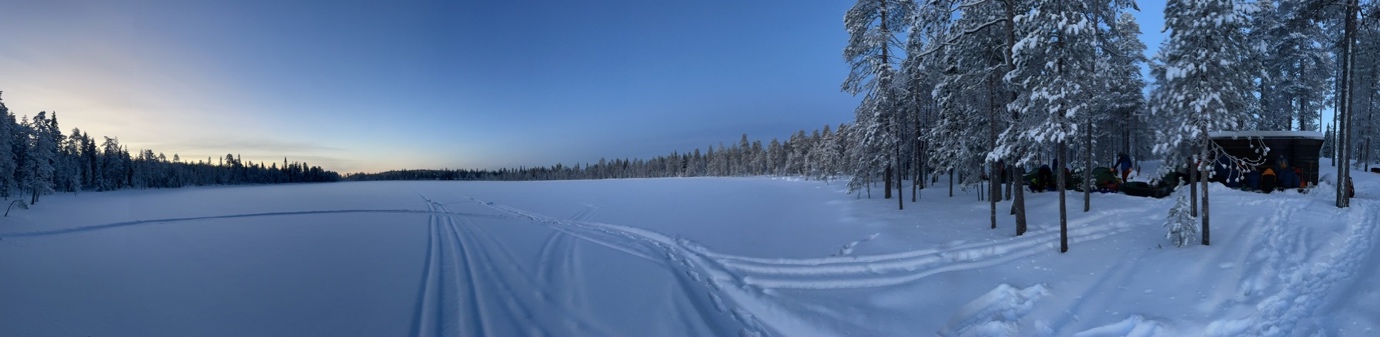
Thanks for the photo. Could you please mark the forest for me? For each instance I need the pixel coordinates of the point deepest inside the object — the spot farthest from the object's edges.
(37, 159)
(977, 85)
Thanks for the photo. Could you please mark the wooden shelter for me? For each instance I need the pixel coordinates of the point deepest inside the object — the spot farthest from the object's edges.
(1303, 149)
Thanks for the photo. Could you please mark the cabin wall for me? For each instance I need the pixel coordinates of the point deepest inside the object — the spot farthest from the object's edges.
(1302, 153)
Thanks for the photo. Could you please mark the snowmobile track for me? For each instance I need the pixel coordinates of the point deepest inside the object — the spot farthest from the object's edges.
(701, 278)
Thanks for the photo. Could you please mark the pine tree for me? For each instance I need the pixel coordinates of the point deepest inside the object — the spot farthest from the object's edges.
(111, 175)
(1295, 66)
(42, 153)
(1054, 60)
(1126, 88)
(1181, 225)
(7, 163)
(871, 53)
(1201, 88)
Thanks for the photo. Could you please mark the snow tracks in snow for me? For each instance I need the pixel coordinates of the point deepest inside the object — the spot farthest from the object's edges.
(1291, 279)
(473, 286)
(846, 271)
(511, 294)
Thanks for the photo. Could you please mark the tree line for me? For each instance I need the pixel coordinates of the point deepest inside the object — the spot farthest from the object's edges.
(820, 154)
(37, 159)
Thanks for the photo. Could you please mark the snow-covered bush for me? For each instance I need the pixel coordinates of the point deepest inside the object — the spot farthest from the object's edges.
(1182, 225)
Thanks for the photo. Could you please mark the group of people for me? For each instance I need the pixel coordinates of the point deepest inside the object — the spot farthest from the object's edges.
(1044, 179)
(1277, 174)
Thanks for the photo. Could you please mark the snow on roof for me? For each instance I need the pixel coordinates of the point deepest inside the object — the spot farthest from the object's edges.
(1267, 134)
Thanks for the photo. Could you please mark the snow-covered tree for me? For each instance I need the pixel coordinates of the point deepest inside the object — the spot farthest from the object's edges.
(67, 175)
(1116, 85)
(970, 58)
(42, 153)
(1181, 225)
(871, 52)
(1290, 47)
(1201, 88)
(1125, 90)
(7, 163)
(113, 172)
(1368, 92)
(1054, 61)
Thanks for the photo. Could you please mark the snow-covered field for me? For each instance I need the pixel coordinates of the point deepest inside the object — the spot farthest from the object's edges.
(675, 257)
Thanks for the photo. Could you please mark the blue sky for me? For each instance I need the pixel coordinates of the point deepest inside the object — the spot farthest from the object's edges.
(377, 85)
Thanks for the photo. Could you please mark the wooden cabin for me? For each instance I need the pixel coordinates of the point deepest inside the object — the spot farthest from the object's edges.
(1303, 149)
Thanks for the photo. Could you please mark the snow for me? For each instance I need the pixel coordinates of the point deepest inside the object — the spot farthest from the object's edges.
(676, 257)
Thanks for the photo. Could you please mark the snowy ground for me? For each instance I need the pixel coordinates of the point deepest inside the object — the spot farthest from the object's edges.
(675, 257)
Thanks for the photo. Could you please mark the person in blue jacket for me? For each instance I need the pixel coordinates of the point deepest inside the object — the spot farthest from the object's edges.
(1123, 165)
(1286, 175)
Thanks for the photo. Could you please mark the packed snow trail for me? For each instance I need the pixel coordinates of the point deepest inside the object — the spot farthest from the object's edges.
(1297, 282)
(473, 286)
(892, 269)
(743, 285)
(711, 290)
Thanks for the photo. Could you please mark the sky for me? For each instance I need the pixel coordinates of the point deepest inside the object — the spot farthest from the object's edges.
(369, 86)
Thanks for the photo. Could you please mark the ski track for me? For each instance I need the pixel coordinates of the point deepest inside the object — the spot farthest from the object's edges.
(898, 268)
(442, 295)
(734, 283)
(427, 321)
(477, 287)
(559, 264)
(1303, 286)
(701, 279)
(1114, 277)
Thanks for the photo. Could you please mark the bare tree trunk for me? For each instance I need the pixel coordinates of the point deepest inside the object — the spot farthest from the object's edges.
(1087, 166)
(992, 200)
(1126, 131)
(1336, 116)
(919, 168)
(1063, 211)
(951, 183)
(981, 190)
(1017, 204)
(992, 175)
(868, 182)
(1344, 128)
(1303, 117)
(1009, 178)
(1204, 155)
(1370, 114)
(887, 178)
(1193, 185)
(900, 189)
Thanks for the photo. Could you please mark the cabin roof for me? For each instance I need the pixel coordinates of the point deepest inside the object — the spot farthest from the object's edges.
(1267, 134)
